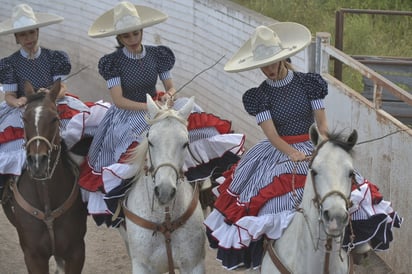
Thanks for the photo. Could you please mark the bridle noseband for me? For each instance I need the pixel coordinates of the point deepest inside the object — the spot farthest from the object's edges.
(51, 147)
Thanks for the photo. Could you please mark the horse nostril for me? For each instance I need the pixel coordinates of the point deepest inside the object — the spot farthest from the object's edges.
(326, 216)
(173, 192)
(156, 191)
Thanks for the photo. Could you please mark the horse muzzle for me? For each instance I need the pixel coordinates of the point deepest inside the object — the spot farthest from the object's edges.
(335, 221)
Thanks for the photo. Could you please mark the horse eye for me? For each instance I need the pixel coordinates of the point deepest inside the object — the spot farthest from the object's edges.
(186, 145)
(313, 172)
(150, 143)
(352, 174)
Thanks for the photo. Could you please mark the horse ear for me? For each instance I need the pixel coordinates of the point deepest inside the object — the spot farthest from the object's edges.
(353, 138)
(152, 108)
(185, 111)
(28, 88)
(55, 89)
(314, 135)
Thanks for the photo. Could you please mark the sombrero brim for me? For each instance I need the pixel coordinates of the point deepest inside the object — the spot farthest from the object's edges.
(104, 25)
(43, 19)
(293, 36)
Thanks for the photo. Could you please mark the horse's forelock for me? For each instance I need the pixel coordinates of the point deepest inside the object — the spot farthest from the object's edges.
(36, 96)
(163, 114)
(340, 140)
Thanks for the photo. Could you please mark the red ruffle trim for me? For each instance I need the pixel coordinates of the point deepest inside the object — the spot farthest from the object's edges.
(88, 180)
(377, 197)
(203, 119)
(11, 134)
(94, 182)
(65, 112)
(228, 205)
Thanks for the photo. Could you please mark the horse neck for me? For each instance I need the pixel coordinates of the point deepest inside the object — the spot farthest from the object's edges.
(309, 247)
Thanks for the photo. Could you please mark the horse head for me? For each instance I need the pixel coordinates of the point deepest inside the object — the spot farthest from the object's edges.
(167, 141)
(41, 129)
(332, 172)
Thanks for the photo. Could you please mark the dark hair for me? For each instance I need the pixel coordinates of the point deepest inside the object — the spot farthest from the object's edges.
(119, 43)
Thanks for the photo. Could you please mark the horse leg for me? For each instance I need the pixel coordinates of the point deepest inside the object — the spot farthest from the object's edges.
(35, 263)
(59, 265)
(198, 269)
(123, 232)
(74, 263)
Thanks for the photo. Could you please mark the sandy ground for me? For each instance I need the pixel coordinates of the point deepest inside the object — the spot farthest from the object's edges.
(106, 253)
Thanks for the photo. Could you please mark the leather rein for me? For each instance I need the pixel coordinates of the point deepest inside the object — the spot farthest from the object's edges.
(318, 201)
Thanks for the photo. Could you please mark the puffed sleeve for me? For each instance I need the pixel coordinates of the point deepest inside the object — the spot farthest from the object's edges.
(165, 59)
(109, 67)
(60, 63)
(316, 86)
(7, 72)
(255, 101)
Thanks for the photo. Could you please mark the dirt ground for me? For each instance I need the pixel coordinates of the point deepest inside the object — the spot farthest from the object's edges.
(106, 253)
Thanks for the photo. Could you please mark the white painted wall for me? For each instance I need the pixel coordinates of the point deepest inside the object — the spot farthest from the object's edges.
(202, 31)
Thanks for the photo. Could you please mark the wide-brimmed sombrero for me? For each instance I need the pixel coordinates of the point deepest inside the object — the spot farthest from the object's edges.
(24, 18)
(125, 17)
(268, 45)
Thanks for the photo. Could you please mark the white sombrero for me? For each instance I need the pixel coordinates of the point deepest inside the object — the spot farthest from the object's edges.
(268, 45)
(24, 18)
(125, 17)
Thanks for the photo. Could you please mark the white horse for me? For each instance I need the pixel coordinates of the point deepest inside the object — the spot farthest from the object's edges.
(312, 241)
(164, 221)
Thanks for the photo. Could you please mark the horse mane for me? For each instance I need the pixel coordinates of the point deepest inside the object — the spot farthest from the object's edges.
(340, 140)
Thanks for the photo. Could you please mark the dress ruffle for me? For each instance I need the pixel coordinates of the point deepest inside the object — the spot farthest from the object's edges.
(372, 221)
(213, 148)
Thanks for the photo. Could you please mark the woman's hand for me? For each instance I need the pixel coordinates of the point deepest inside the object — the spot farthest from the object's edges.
(168, 97)
(297, 156)
(20, 102)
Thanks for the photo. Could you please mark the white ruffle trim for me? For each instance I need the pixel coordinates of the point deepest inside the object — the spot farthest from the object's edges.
(77, 125)
(248, 228)
(362, 200)
(214, 147)
(203, 150)
(95, 202)
(12, 162)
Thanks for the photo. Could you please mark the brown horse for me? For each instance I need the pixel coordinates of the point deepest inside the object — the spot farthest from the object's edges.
(44, 203)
